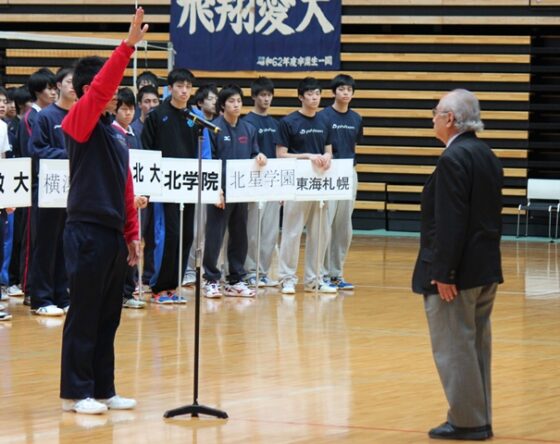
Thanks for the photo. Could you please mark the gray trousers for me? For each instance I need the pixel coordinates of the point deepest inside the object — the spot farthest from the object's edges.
(191, 264)
(461, 344)
(270, 227)
(339, 215)
(298, 215)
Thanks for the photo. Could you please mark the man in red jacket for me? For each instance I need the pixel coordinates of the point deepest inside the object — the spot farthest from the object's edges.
(101, 229)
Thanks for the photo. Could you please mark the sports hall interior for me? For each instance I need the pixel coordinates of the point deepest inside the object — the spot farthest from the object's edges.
(354, 367)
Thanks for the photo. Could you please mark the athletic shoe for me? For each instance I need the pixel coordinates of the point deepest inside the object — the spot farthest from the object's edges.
(118, 403)
(133, 303)
(212, 290)
(288, 287)
(48, 310)
(251, 281)
(4, 294)
(5, 316)
(341, 284)
(15, 291)
(87, 406)
(324, 287)
(177, 298)
(162, 298)
(265, 281)
(239, 289)
(188, 280)
(145, 289)
(27, 300)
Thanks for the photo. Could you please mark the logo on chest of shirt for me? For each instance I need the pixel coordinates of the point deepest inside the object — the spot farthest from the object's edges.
(243, 139)
(227, 138)
(347, 127)
(266, 130)
(304, 132)
(57, 127)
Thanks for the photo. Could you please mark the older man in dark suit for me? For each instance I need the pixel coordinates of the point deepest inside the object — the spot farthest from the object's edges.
(459, 266)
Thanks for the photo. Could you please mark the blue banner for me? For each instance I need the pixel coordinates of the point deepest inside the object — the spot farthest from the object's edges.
(259, 35)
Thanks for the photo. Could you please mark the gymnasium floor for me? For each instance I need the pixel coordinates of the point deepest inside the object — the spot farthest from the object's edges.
(353, 368)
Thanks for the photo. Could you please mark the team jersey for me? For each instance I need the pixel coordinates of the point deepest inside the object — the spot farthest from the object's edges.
(346, 131)
(267, 127)
(302, 134)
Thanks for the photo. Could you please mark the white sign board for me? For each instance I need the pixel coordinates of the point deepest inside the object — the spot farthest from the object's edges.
(15, 183)
(246, 181)
(179, 181)
(54, 183)
(336, 183)
(145, 167)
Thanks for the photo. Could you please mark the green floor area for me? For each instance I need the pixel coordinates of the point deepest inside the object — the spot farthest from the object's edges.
(414, 234)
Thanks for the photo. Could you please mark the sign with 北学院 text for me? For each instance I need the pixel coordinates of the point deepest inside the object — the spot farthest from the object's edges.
(179, 181)
(145, 166)
(54, 183)
(246, 181)
(264, 35)
(15, 183)
(336, 183)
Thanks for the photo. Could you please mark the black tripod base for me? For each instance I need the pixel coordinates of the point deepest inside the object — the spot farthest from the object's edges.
(194, 410)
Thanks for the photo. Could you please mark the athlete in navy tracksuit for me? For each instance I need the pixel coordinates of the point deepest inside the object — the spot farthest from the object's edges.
(101, 224)
(47, 275)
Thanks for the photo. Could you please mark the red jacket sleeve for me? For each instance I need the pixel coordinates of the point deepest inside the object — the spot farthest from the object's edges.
(131, 223)
(83, 116)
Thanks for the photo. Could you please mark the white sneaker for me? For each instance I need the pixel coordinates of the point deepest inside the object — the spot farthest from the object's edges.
(288, 287)
(323, 288)
(118, 403)
(188, 280)
(49, 310)
(87, 406)
(15, 291)
(4, 294)
(133, 303)
(265, 281)
(5, 316)
(239, 289)
(212, 290)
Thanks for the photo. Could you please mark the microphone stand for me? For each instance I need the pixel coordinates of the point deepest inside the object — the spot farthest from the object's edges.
(195, 408)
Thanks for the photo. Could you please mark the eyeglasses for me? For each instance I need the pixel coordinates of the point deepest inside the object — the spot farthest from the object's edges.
(436, 112)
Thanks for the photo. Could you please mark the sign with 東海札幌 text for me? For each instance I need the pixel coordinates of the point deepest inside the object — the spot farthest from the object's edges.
(246, 181)
(264, 35)
(288, 179)
(145, 167)
(54, 183)
(314, 183)
(179, 181)
(15, 183)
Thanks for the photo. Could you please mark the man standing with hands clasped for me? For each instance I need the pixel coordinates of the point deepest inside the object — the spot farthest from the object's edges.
(459, 265)
(101, 224)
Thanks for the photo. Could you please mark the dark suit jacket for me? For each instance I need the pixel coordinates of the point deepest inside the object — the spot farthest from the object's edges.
(461, 219)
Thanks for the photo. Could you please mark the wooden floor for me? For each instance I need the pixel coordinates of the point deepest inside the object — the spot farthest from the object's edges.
(354, 368)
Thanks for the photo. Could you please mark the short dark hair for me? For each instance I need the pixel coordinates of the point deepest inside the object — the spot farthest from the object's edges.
(179, 75)
(342, 80)
(308, 84)
(225, 93)
(148, 89)
(40, 80)
(148, 76)
(20, 96)
(62, 73)
(204, 91)
(261, 84)
(4, 92)
(85, 70)
(125, 96)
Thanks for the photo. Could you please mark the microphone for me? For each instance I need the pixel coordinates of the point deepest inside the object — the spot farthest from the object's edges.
(202, 122)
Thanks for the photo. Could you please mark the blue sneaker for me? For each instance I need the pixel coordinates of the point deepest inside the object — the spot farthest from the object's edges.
(177, 298)
(341, 284)
(162, 298)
